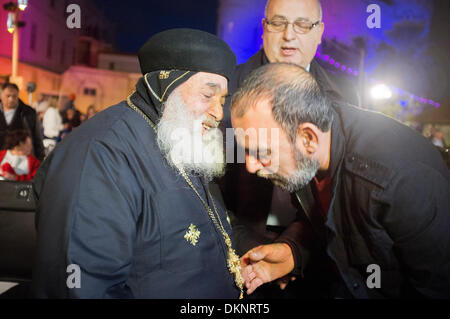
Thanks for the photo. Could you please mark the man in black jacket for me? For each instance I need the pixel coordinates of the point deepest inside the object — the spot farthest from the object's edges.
(381, 209)
(292, 32)
(16, 115)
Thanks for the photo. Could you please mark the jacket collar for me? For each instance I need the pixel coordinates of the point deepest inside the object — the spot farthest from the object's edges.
(337, 152)
(154, 88)
(142, 99)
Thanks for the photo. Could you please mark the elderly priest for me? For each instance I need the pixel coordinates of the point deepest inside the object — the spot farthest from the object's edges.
(124, 206)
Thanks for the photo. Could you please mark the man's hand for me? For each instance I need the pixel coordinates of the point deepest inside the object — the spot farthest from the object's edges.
(266, 263)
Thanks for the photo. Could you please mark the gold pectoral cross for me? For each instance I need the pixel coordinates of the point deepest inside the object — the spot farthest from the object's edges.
(234, 266)
(192, 235)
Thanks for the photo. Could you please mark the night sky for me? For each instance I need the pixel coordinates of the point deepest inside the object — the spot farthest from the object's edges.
(136, 20)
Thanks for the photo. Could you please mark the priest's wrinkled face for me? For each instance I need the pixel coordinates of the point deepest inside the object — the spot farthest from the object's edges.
(188, 133)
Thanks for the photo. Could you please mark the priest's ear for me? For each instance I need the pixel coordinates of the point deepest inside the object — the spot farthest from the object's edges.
(307, 138)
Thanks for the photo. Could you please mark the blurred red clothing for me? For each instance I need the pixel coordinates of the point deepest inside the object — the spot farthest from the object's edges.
(33, 165)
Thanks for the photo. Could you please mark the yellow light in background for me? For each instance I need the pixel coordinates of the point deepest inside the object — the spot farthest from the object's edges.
(22, 4)
(11, 22)
(381, 92)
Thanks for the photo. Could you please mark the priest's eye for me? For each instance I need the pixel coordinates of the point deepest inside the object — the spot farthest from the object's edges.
(207, 96)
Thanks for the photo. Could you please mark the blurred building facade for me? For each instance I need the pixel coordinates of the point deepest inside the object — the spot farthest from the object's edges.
(62, 61)
(119, 62)
(98, 87)
(44, 43)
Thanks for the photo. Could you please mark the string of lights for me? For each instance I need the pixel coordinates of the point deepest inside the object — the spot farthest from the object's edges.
(355, 72)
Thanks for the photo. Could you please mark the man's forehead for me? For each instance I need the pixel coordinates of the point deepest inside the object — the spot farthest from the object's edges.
(10, 91)
(211, 80)
(258, 116)
(215, 86)
(207, 77)
(255, 139)
(294, 9)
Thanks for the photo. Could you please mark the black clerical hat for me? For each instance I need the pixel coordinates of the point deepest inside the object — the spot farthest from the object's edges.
(187, 49)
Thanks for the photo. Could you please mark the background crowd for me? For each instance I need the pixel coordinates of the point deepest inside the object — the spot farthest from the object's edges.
(29, 133)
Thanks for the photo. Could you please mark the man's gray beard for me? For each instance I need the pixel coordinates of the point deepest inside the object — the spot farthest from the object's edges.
(180, 139)
(306, 170)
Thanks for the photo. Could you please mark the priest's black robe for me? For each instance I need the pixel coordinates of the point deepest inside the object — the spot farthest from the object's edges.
(111, 205)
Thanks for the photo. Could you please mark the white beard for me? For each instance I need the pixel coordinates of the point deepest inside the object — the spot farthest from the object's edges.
(180, 139)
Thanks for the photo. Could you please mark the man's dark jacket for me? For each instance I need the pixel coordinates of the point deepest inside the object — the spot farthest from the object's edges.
(390, 207)
(246, 195)
(25, 118)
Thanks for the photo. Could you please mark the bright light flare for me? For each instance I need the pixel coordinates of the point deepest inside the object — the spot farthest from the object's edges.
(11, 22)
(381, 92)
(22, 4)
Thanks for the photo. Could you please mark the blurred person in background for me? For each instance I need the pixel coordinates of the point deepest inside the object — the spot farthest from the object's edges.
(66, 129)
(53, 125)
(40, 105)
(437, 138)
(16, 161)
(91, 111)
(16, 115)
(70, 103)
(73, 116)
(83, 118)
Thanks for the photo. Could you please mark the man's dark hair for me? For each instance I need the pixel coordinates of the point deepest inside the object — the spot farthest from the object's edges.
(9, 85)
(14, 138)
(295, 97)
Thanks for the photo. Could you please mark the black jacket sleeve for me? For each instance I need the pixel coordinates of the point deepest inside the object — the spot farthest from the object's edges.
(299, 236)
(38, 145)
(30, 121)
